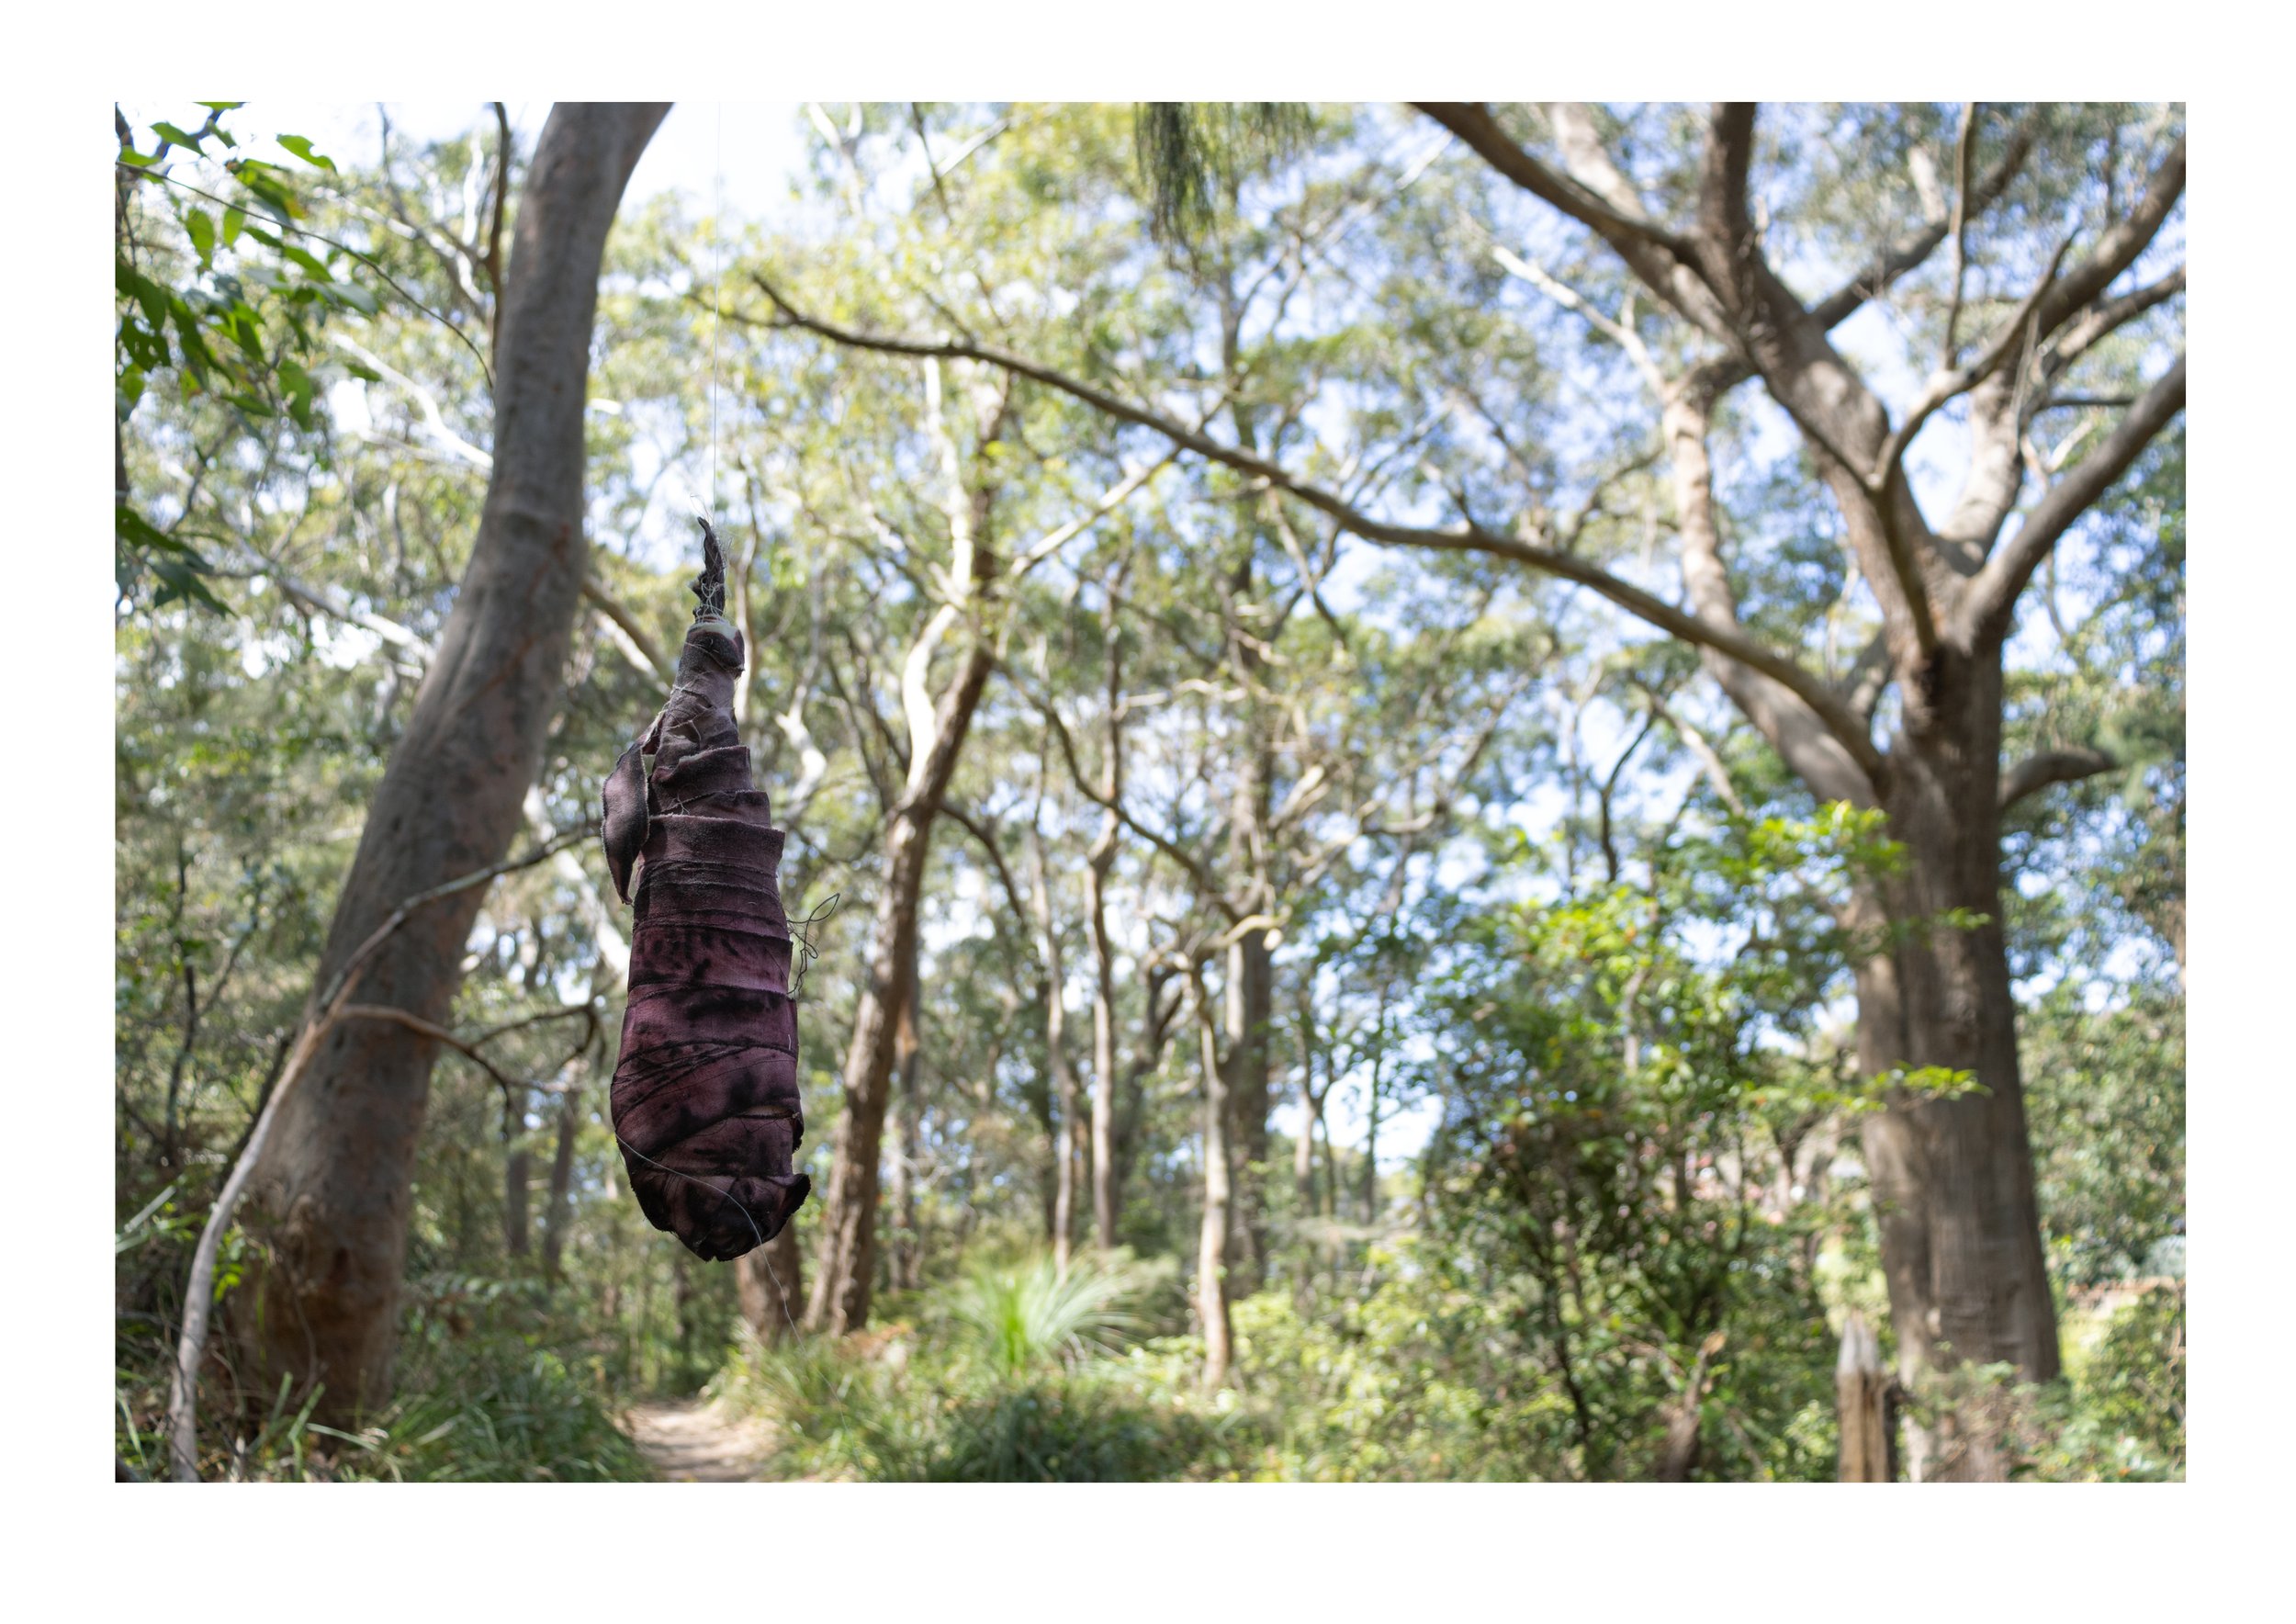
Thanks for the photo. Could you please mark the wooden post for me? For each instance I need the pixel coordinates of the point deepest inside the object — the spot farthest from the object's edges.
(1863, 1400)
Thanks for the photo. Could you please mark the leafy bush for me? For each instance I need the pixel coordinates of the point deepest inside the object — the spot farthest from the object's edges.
(1014, 1379)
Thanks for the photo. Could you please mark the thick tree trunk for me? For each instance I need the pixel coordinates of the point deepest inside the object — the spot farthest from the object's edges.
(333, 1190)
(846, 1263)
(1953, 1179)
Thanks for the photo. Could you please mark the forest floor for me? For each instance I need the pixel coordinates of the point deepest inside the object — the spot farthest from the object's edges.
(691, 1441)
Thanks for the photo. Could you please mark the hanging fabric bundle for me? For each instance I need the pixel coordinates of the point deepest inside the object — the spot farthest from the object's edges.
(705, 1099)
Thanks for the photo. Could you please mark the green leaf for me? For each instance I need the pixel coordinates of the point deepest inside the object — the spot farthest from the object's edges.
(352, 296)
(181, 136)
(200, 224)
(178, 580)
(309, 261)
(298, 385)
(234, 222)
(301, 147)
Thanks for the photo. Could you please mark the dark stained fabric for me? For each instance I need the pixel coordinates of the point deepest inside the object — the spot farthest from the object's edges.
(705, 1098)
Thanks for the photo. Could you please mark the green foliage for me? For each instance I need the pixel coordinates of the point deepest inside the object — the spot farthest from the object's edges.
(2121, 1415)
(2105, 1096)
(1034, 1315)
(487, 1398)
(1194, 156)
(235, 325)
(1514, 890)
(1006, 1382)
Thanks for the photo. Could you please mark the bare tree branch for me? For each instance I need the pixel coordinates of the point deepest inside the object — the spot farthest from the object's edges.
(640, 640)
(1911, 250)
(1468, 536)
(2055, 766)
(2118, 248)
(1984, 611)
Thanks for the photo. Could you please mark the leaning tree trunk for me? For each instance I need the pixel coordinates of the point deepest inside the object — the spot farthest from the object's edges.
(1953, 1178)
(846, 1263)
(334, 1186)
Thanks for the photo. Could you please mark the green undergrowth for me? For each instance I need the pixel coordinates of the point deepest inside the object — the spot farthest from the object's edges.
(492, 1387)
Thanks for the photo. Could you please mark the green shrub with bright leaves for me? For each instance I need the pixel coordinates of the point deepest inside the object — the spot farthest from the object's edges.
(1010, 1374)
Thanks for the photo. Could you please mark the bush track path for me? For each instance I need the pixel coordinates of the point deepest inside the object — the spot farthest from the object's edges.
(693, 1441)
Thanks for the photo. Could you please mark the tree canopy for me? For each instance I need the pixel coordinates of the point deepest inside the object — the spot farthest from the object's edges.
(1437, 733)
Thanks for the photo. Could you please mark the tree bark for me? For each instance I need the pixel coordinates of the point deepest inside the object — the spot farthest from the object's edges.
(1211, 1251)
(846, 1263)
(1104, 1181)
(1056, 1058)
(907, 1243)
(558, 1215)
(769, 1282)
(1861, 1406)
(1249, 986)
(1953, 1179)
(333, 1194)
(1099, 863)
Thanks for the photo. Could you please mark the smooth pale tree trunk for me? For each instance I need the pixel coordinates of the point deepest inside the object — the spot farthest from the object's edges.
(1057, 1057)
(1211, 1251)
(1099, 864)
(1104, 1170)
(334, 1191)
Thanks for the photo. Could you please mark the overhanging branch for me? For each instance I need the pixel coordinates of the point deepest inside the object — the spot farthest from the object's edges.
(2040, 771)
(1465, 537)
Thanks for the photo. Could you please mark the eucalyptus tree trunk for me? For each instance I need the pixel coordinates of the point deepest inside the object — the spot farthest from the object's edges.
(1064, 1133)
(907, 1242)
(1953, 1178)
(846, 1262)
(1099, 863)
(768, 1281)
(1211, 1251)
(558, 1214)
(332, 1190)
(846, 1259)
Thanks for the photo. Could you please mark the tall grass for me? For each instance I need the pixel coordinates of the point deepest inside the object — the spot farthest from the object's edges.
(1032, 1316)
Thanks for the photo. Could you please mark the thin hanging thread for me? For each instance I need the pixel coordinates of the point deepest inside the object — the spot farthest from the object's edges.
(717, 325)
(726, 1195)
(717, 290)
